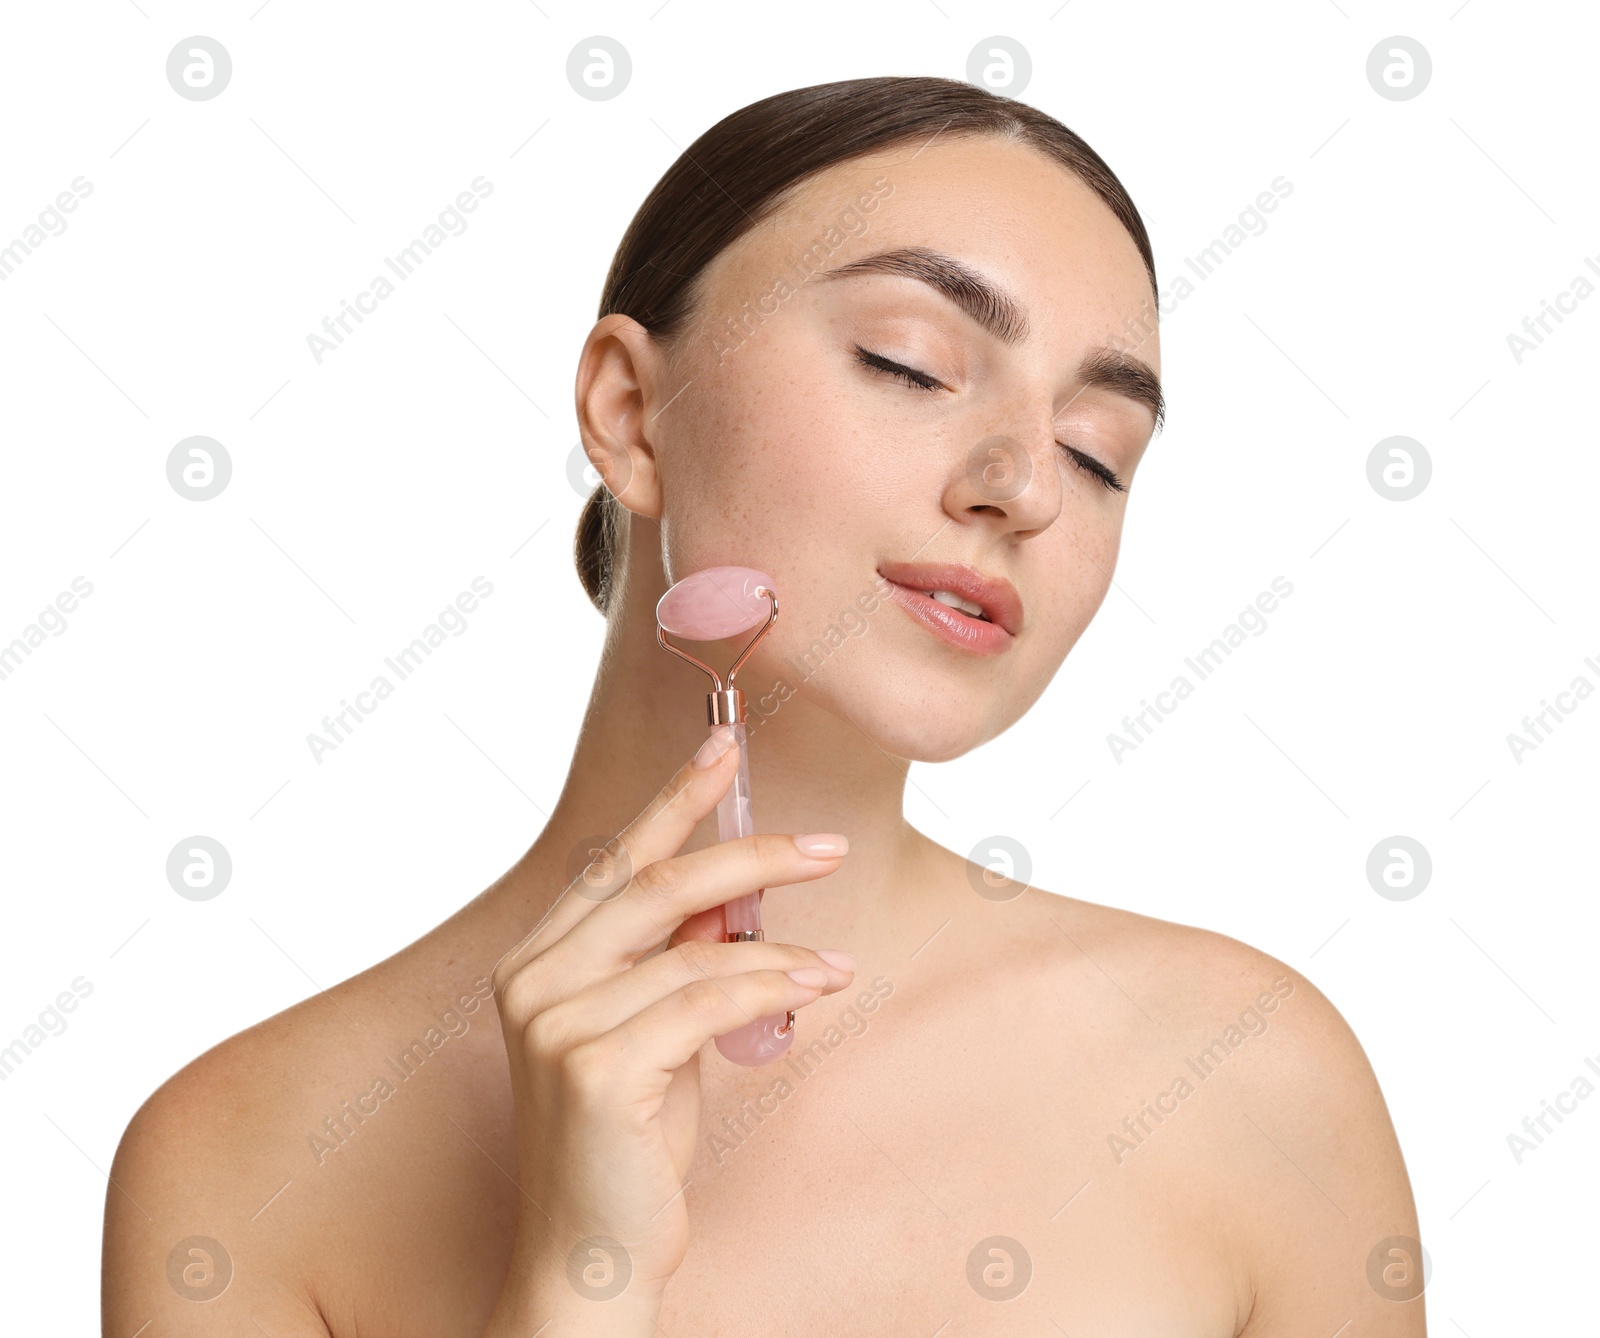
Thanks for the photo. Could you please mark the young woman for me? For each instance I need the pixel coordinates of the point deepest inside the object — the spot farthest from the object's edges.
(878, 339)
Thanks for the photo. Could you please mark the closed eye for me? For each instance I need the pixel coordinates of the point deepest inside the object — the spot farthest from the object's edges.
(910, 376)
(1091, 466)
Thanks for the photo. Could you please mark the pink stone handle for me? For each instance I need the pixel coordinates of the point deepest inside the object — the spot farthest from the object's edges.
(761, 1041)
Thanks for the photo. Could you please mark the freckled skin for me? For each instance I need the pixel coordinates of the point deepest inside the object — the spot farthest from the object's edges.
(986, 1073)
(834, 466)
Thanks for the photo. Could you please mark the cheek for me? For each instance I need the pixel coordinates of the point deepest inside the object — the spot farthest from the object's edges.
(1073, 564)
(772, 447)
(1099, 536)
(763, 472)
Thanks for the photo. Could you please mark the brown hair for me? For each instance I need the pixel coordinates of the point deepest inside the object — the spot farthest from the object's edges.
(740, 170)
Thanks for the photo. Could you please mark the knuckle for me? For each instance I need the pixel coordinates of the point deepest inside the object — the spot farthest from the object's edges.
(512, 964)
(585, 1069)
(500, 977)
(656, 884)
(703, 999)
(773, 848)
(517, 994)
(543, 1034)
(608, 871)
(699, 957)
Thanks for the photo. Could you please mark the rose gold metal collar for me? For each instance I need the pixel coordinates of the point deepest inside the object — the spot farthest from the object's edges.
(725, 705)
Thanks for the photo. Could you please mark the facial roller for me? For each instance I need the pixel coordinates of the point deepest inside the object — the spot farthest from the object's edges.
(710, 605)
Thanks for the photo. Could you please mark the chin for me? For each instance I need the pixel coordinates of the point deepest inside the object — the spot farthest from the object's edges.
(915, 742)
(942, 730)
(913, 712)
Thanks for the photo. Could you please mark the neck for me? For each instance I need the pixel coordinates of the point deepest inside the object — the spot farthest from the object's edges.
(810, 771)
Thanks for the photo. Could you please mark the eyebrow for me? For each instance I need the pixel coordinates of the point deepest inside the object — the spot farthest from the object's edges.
(999, 314)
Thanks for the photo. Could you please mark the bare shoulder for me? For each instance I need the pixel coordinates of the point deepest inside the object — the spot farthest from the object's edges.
(240, 1195)
(1290, 1134)
(190, 1239)
(1183, 977)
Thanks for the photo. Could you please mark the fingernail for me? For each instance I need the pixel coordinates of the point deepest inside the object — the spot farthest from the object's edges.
(808, 975)
(822, 843)
(837, 958)
(717, 743)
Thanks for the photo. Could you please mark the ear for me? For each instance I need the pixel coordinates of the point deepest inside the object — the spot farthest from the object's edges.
(617, 393)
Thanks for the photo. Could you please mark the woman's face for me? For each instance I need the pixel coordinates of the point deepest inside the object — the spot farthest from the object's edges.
(796, 445)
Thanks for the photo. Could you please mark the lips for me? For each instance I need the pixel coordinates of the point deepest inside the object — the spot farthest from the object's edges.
(996, 596)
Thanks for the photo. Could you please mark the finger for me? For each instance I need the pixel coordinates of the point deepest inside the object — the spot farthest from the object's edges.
(658, 831)
(610, 1002)
(702, 927)
(661, 896)
(707, 926)
(672, 1031)
(616, 935)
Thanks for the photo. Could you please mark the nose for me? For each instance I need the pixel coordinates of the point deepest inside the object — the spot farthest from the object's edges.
(1011, 477)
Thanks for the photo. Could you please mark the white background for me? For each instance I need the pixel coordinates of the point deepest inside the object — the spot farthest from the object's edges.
(433, 447)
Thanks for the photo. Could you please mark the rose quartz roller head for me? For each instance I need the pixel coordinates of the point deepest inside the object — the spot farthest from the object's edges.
(708, 606)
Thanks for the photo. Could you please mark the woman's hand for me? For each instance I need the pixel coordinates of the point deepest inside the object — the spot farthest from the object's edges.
(604, 1051)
